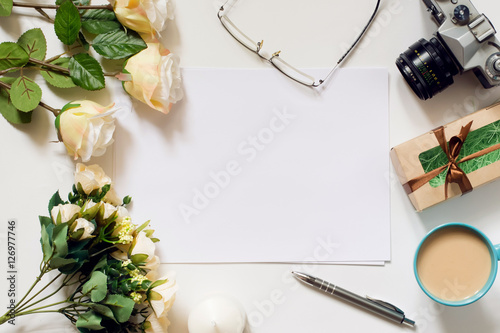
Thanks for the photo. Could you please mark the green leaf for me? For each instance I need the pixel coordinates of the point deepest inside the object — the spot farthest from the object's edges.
(59, 240)
(12, 55)
(25, 94)
(121, 306)
(45, 241)
(99, 21)
(103, 309)
(139, 258)
(60, 262)
(67, 22)
(56, 78)
(6, 7)
(77, 3)
(7, 109)
(83, 41)
(54, 201)
(86, 72)
(96, 286)
(45, 221)
(89, 320)
(34, 43)
(158, 283)
(118, 44)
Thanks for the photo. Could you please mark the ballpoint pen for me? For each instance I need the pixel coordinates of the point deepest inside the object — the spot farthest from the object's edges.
(381, 308)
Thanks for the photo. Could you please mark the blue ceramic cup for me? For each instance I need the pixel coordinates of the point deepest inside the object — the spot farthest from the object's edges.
(455, 264)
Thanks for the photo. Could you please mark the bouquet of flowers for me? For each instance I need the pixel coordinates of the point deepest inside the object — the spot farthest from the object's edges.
(106, 263)
(124, 31)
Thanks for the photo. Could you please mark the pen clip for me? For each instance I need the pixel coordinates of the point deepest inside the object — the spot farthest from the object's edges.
(386, 305)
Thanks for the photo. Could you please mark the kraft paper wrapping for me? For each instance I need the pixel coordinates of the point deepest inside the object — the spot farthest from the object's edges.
(407, 160)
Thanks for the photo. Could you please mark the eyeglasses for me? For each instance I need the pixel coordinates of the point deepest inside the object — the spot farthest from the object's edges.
(275, 59)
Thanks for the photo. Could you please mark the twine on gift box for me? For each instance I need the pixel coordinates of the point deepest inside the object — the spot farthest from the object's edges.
(453, 172)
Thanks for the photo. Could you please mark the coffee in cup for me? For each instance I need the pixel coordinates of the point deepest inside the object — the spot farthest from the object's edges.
(455, 264)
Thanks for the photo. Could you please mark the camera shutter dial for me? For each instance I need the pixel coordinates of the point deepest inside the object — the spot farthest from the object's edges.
(461, 14)
(493, 66)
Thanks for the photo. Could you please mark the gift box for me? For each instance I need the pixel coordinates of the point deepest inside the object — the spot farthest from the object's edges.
(450, 160)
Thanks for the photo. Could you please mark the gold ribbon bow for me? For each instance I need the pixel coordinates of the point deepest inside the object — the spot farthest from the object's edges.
(453, 172)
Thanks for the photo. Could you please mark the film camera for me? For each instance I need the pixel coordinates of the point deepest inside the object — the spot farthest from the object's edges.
(465, 40)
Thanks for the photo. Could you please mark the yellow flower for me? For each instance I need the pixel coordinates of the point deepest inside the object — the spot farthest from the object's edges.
(86, 128)
(143, 16)
(153, 77)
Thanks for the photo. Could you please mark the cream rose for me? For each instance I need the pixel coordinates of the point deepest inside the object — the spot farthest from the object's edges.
(87, 226)
(144, 16)
(156, 325)
(93, 177)
(153, 77)
(64, 213)
(86, 128)
(163, 296)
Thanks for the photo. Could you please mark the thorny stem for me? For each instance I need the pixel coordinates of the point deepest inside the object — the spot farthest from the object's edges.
(38, 6)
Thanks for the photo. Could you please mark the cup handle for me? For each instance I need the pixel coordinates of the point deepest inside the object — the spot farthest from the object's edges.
(497, 251)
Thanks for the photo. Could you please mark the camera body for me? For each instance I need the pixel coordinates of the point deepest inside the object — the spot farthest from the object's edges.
(465, 40)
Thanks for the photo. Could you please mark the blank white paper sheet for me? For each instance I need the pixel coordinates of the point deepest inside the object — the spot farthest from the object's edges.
(253, 167)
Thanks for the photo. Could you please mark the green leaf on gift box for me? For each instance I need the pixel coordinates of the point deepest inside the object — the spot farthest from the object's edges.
(86, 72)
(118, 44)
(7, 109)
(54, 201)
(56, 78)
(12, 55)
(89, 320)
(25, 94)
(96, 286)
(67, 22)
(59, 240)
(121, 306)
(6, 7)
(34, 43)
(477, 140)
(99, 21)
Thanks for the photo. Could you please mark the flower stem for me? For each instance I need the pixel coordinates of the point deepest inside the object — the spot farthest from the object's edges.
(21, 307)
(38, 6)
(51, 66)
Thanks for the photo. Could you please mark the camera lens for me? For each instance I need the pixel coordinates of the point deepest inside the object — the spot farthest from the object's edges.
(427, 67)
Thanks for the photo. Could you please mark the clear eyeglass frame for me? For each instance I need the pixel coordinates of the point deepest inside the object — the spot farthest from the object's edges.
(275, 59)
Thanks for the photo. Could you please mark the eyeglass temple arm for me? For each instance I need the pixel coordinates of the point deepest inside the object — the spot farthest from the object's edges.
(352, 46)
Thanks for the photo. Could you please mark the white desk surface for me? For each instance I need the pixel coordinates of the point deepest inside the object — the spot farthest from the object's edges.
(32, 169)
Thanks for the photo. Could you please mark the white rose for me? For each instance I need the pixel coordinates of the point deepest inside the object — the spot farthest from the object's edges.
(86, 128)
(88, 228)
(166, 291)
(156, 325)
(143, 16)
(66, 212)
(109, 209)
(93, 177)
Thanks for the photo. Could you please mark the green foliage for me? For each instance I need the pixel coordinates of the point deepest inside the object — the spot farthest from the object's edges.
(121, 306)
(96, 286)
(99, 21)
(25, 94)
(34, 43)
(67, 22)
(86, 72)
(54, 201)
(12, 55)
(58, 79)
(7, 109)
(118, 44)
(6, 7)
(89, 320)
